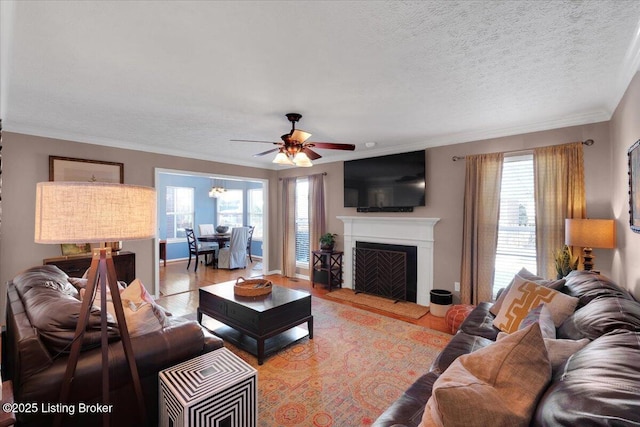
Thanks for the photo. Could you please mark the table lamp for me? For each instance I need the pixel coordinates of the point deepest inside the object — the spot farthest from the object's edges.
(95, 212)
(589, 234)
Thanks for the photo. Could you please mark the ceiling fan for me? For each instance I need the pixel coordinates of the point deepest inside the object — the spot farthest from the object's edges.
(294, 148)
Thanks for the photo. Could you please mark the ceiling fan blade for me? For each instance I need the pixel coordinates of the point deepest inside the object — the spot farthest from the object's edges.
(300, 135)
(266, 152)
(251, 140)
(334, 146)
(312, 155)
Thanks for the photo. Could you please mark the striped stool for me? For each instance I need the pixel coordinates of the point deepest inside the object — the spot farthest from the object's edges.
(456, 315)
(213, 389)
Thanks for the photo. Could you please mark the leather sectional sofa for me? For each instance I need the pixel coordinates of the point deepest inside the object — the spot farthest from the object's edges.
(598, 385)
(35, 358)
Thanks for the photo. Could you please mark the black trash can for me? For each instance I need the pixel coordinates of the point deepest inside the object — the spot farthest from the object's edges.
(441, 301)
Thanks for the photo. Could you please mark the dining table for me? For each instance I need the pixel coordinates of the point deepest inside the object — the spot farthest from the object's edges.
(219, 238)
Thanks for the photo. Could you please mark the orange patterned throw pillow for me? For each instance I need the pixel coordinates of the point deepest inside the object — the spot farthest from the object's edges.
(524, 296)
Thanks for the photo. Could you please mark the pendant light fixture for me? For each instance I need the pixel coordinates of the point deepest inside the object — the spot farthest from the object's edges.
(216, 190)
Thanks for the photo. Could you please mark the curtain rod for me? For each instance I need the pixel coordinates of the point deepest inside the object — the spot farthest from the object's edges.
(303, 176)
(588, 143)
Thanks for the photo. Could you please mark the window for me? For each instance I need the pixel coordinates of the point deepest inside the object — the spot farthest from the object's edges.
(230, 210)
(179, 210)
(517, 226)
(255, 211)
(302, 221)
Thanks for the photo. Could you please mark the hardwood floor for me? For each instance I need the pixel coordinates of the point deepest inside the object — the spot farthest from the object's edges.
(179, 289)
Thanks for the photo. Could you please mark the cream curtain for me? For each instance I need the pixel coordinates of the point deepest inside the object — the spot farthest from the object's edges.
(289, 240)
(480, 226)
(559, 194)
(317, 214)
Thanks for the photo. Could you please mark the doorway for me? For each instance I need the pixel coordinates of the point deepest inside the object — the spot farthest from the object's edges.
(187, 199)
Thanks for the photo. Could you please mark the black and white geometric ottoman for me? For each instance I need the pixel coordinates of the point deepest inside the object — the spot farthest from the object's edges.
(214, 389)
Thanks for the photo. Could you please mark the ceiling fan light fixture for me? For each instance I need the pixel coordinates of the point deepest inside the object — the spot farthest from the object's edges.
(300, 135)
(282, 159)
(294, 150)
(302, 160)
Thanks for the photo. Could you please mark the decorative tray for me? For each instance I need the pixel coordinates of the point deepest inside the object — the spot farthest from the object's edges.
(252, 287)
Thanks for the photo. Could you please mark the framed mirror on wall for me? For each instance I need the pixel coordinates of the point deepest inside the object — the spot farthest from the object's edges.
(634, 186)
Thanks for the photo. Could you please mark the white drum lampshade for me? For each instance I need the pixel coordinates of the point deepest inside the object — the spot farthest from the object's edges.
(93, 212)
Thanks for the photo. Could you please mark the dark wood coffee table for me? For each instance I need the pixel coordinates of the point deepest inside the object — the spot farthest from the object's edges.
(260, 325)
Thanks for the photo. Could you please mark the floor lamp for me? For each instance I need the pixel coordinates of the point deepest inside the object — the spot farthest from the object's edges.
(92, 212)
(588, 234)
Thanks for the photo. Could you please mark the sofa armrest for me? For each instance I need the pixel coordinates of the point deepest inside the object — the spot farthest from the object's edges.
(480, 322)
(180, 341)
(211, 342)
(461, 343)
(25, 354)
(407, 410)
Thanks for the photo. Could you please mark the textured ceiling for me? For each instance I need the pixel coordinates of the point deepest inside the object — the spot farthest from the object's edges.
(186, 77)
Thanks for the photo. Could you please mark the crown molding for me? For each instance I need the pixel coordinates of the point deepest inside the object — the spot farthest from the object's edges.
(436, 141)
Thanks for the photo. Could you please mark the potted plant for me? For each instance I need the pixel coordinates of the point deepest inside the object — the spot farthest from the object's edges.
(327, 241)
(565, 261)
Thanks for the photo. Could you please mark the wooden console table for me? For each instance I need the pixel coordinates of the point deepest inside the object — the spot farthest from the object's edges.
(75, 266)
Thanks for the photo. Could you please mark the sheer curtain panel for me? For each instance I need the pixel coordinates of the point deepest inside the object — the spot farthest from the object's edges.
(560, 194)
(289, 235)
(317, 214)
(480, 226)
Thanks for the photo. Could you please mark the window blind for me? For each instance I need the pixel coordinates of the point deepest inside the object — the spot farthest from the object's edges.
(516, 227)
(302, 220)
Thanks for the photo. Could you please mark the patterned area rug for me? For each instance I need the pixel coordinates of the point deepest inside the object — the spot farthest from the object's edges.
(355, 366)
(402, 308)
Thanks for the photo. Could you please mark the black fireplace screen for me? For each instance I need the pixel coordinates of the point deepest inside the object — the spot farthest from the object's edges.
(380, 272)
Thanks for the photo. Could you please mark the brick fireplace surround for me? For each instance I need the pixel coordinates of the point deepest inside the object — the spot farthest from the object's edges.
(411, 231)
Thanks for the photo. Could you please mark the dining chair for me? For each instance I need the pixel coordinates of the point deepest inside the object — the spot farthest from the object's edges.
(235, 255)
(251, 228)
(206, 229)
(196, 249)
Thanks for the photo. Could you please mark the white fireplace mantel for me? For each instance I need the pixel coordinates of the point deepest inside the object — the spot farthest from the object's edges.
(409, 231)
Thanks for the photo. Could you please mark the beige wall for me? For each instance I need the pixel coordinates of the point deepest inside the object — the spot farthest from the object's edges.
(625, 130)
(445, 188)
(26, 162)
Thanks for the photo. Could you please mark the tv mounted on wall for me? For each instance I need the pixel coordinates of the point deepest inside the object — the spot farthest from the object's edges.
(393, 183)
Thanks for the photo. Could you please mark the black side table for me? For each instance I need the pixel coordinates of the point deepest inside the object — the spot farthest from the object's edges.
(327, 268)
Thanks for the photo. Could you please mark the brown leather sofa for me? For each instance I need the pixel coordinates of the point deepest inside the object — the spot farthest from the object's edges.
(599, 385)
(36, 358)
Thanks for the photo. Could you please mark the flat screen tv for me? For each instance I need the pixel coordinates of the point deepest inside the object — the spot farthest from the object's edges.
(388, 183)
